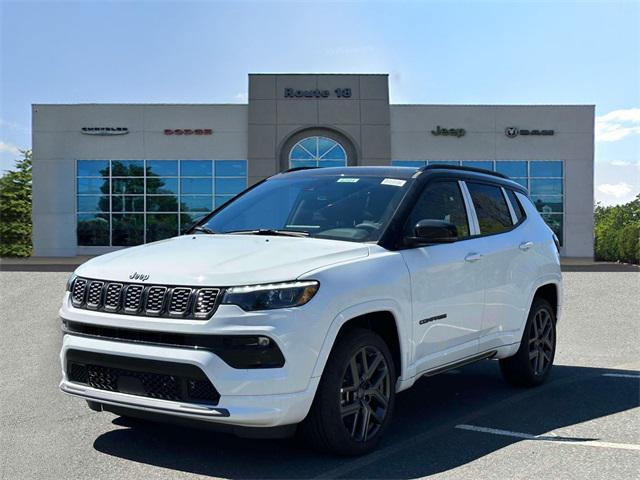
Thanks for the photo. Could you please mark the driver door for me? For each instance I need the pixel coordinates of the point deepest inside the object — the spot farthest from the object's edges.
(446, 281)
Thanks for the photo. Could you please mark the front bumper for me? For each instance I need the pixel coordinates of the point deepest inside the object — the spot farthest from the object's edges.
(260, 397)
(242, 410)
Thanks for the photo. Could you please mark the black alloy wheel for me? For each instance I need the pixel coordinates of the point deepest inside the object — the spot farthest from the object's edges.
(365, 393)
(541, 342)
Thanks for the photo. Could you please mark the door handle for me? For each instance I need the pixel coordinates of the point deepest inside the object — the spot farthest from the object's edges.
(472, 257)
(524, 246)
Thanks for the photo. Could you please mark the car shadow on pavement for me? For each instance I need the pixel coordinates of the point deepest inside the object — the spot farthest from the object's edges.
(421, 441)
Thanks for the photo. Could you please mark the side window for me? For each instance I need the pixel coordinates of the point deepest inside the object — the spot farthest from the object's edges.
(515, 203)
(440, 201)
(491, 208)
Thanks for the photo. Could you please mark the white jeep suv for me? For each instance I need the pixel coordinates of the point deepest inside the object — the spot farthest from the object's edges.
(315, 296)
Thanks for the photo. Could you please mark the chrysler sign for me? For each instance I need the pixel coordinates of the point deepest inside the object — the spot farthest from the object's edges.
(103, 131)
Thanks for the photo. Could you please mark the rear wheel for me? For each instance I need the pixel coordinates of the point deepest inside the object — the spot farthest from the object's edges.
(355, 398)
(531, 365)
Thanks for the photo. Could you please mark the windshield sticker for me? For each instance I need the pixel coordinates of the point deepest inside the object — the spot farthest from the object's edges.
(348, 180)
(393, 181)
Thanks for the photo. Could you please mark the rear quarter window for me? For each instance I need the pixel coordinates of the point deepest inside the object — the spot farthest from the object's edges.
(516, 205)
(491, 208)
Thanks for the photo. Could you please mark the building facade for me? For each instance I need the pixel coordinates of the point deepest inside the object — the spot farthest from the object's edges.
(109, 176)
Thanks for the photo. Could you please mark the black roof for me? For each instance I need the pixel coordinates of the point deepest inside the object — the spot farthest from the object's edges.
(408, 172)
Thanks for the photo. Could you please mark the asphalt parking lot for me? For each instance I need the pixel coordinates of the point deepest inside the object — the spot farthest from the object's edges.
(584, 423)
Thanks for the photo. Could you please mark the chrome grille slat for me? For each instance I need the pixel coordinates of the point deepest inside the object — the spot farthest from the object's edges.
(137, 299)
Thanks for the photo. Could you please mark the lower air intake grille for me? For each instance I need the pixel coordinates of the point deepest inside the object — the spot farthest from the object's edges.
(146, 378)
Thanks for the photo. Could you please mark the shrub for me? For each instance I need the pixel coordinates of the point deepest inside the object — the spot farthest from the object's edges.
(617, 232)
(15, 209)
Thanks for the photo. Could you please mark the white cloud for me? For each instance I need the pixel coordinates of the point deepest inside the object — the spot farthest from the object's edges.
(243, 97)
(617, 190)
(618, 124)
(625, 163)
(9, 148)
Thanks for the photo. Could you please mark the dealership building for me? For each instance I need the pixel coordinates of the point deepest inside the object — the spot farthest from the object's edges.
(109, 176)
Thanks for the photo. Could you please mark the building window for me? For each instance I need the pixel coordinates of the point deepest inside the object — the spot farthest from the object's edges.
(129, 202)
(317, 152)
(543, 178)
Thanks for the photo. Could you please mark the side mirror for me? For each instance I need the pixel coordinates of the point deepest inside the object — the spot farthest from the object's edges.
(428, 232)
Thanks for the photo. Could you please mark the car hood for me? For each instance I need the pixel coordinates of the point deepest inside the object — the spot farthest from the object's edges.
(221, 260)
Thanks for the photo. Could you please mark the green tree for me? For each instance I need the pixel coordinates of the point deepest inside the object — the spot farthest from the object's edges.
(15, 209)
(617, 232)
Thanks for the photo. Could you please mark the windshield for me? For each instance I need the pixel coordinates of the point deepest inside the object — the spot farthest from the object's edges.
(337, 207)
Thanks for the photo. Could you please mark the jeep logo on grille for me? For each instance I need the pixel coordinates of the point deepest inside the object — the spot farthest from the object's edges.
(139, 276)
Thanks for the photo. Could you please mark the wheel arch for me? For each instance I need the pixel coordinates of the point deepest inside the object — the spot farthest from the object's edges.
(381, 320)
(549, 292)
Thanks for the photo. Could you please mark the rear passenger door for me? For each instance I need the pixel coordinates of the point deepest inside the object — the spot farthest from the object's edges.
(446, 281)
(503, 266)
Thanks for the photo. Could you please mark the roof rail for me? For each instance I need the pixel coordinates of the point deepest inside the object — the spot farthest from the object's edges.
(467, 169)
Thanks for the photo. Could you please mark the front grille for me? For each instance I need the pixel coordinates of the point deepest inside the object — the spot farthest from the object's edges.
(94, 295)
(152, 300)
(78, 290)
(146, 378)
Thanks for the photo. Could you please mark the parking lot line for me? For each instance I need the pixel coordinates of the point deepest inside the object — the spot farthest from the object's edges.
(550, 438)
(621, 375)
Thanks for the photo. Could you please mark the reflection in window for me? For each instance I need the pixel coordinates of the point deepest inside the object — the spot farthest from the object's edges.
(543, 178)
(491, 208)
(317, 152)
(128, 202)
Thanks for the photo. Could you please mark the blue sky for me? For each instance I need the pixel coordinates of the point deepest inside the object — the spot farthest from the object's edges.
(448, 52)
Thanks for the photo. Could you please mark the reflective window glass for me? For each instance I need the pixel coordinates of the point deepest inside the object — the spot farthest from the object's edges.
(444, 162)
(195, 185)
(229, 186)
(161, 186)
(516, 205)
(92, 229)
(408, 163)
(231, 168)
(127, 168)
(199, 203)
(92, 203)
(545, 169)
(127, 186)
(512, 168)
(92, 168)
(491, 208)
(554, 220)
(161, 226)
(221, 200)
(479, 164)
(196, 168)
(162, 168)
(127, 229)
(440, 201)
(127, 203)
(92, 185)
(546, 186)
(548, 203)
(187, 220)
(162, 203)
(317, 152)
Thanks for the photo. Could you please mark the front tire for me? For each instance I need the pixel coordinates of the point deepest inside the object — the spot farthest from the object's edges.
(355, 398)
(531, 365)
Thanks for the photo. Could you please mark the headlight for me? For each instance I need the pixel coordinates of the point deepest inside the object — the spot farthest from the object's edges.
(70, 281)
(275, 295)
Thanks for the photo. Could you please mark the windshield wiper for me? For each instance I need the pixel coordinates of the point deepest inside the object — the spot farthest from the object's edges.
(268, 231)
(202, 228)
